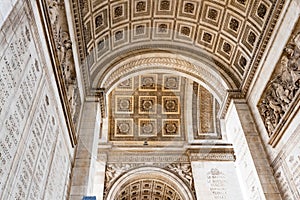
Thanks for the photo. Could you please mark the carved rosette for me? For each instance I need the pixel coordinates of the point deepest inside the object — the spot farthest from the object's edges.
(282, 92)
(62, 48)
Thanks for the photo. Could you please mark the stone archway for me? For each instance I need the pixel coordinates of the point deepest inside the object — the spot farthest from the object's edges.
(149, 183)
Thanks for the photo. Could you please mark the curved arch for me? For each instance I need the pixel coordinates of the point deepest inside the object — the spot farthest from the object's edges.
(151, 173)
(219, 93)
(195, 55)
(166, 63)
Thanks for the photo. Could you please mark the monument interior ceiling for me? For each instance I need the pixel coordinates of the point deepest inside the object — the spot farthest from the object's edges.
(150, 99)
(153, 107)
(228, 32)
(118, 40)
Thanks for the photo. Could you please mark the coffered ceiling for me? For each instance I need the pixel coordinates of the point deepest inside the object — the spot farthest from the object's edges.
(148, 106)
(155, 107)
(229, 32)
(148, 189)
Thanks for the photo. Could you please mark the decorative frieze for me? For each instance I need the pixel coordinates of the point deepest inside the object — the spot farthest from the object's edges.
(148, 157)
(62, 51)
(205, 108)
(212, 155)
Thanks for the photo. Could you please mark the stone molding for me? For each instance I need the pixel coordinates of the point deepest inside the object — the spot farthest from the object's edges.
(212, 155)
(231, 95)
(147, 157)
(166, 63)
(255, 61)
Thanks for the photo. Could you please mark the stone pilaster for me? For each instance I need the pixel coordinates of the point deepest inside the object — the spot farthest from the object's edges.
(86, 157)
(256, 175)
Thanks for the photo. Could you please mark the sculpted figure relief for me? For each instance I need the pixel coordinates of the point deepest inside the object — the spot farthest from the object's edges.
(63, 44)
(113, 171)
(183, 170)
(282, 89)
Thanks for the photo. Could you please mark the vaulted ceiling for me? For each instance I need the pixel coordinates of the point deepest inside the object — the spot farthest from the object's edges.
(229, 33)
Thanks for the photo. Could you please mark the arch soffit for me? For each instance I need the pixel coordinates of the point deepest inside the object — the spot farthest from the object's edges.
(150, 172)
(199, 57)
(184, 66)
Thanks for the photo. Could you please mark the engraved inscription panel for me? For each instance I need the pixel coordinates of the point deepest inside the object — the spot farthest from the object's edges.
(20, 76)
(29, 124)
(217, 182)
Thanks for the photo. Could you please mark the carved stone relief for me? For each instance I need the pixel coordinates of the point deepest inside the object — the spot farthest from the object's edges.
(205, 110)
(64, 53)
(115, 170)
(282, 91)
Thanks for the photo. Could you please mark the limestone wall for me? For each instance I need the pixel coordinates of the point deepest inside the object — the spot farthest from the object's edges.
(35, 149)
(281, 141)
(216, 180)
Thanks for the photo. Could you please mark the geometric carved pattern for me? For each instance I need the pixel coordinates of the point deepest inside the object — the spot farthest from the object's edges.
(170, 105)
(147, 104)
(147, 127)
(147, 189)
(126, 85)
(224, 27)
(148, 82)
(124, 127)
(124, 104)
(151, 105)
(171, 83)
(171, 127)
(205, 110)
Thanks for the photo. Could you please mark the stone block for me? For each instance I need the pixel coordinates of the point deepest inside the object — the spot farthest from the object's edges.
(270, 188)
(267, 179)
(80, 176)
(79, 162)
(262, 162)
(273, 196)
(83, 153)
(75, 197)
(78, 191)
(88, 124)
